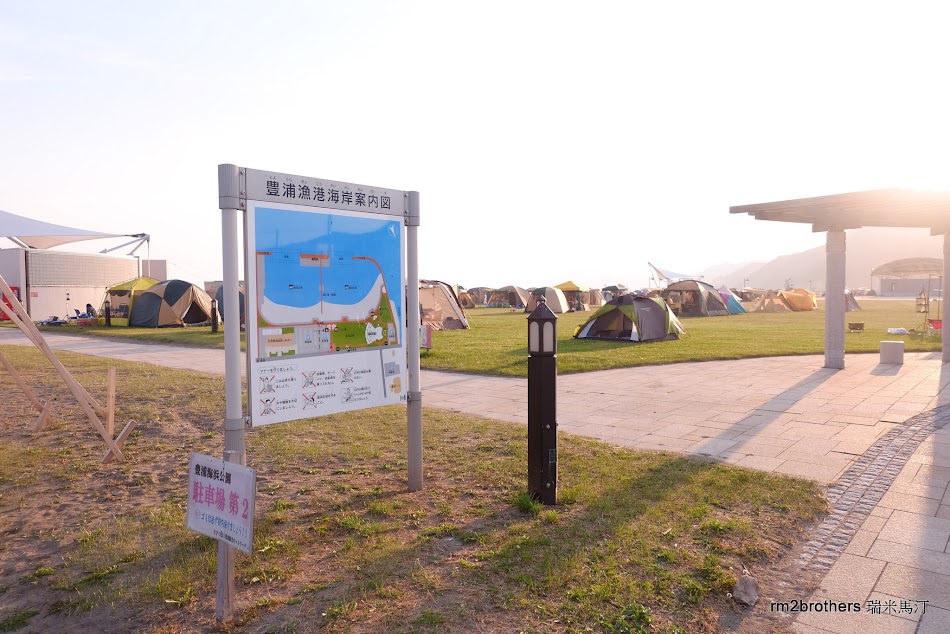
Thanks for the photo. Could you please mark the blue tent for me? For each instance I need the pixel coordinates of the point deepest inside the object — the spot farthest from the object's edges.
(731, 301)
(219, 297)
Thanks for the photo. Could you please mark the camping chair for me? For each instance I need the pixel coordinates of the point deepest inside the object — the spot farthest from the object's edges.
(934, 325)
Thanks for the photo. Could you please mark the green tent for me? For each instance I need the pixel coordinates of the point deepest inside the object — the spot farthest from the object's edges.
(631, 318)
(121, 297)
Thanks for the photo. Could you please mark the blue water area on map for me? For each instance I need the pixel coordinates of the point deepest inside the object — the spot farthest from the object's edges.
(288, 235)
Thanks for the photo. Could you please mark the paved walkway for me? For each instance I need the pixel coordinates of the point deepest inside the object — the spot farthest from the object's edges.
(874, 433)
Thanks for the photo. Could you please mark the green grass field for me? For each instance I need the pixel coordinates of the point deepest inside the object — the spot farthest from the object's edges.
(638, 542)
(496, 343)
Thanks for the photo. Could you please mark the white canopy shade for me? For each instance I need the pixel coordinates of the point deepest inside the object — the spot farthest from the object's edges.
(36, 234)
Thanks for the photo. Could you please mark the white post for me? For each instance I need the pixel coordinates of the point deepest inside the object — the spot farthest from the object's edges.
(414, 410)
(835, 248)
(945, 338)
(230, 193)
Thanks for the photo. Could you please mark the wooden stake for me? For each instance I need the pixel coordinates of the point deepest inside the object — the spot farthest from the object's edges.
(88, 404)
(114, 452)
(42, 419)
(110, 404)
(26, 325)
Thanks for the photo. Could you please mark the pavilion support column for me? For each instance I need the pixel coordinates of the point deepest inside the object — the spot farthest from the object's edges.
(835, 248)
(945, 337)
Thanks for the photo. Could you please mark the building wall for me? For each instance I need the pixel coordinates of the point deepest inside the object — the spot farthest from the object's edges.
(13, 266)
(57, 283)
(12, 270)
(156, 269)
(904, 286)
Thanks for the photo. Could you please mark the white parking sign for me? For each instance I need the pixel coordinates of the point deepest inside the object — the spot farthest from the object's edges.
(221, 499)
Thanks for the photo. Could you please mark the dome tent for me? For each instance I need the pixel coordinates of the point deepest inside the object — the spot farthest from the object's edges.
(171, 303)
(631, 318)
(508, 297)
(731, 300)
(219, 297)
(554, 297)
(799, 299)
(440, 306)
(694, 299)
(771, 302)
(121, 298)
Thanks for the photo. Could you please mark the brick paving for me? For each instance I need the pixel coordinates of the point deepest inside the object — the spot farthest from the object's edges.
(856, 494)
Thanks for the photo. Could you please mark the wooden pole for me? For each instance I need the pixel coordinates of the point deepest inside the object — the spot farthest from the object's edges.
(113, 452)
(110, 404)
(26, 325)
(88, 404)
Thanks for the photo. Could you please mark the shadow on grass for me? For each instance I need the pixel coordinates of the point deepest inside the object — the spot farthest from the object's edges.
(632, 542)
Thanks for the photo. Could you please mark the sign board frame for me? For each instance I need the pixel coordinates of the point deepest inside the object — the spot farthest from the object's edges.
(325, 271)
(236, 186)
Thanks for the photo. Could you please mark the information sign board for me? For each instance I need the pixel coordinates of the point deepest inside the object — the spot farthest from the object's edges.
(221, 498)
(325, 288)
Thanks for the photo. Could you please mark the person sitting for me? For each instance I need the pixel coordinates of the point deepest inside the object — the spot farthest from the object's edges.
(90, 311)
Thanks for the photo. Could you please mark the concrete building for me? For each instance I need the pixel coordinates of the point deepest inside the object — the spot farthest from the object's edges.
(908, 277)
(60, 283)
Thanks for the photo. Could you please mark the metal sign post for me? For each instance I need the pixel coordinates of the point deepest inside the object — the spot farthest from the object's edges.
(331, 269)
(414, 454)
(230, 201)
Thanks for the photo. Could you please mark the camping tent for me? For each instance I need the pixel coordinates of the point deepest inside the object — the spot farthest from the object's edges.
(594, 297)
(171, 303)
(121, 297)
(850, 303)
(692, 298)
(771, 302)
(749, 294)
(219, 298)
(799, 299)
(575, 292)
(440, 306)
(553, 297)
(466, 300)
(508, 297)
(732, 302)
(480, 294)
(631, 318)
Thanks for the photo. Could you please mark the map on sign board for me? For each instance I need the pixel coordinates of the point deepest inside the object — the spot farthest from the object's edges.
(325, 293)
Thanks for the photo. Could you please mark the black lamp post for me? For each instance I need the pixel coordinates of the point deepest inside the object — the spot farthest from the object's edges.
(214, 315)
(108, 313)
(542, 404)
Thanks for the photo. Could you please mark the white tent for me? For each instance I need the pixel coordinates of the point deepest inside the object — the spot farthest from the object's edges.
(440, 306)
(553, 297)
(36, 234)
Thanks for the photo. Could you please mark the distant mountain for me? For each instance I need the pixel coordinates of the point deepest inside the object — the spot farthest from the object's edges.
(867, 249)
(731, 274)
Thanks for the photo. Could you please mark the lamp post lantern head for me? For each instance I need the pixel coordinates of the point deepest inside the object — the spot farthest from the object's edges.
(542, 331)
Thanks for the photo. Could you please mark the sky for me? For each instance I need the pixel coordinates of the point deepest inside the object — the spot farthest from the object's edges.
(549, 141)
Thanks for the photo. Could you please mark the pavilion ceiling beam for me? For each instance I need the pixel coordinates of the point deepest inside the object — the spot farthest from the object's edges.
(836, 225)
